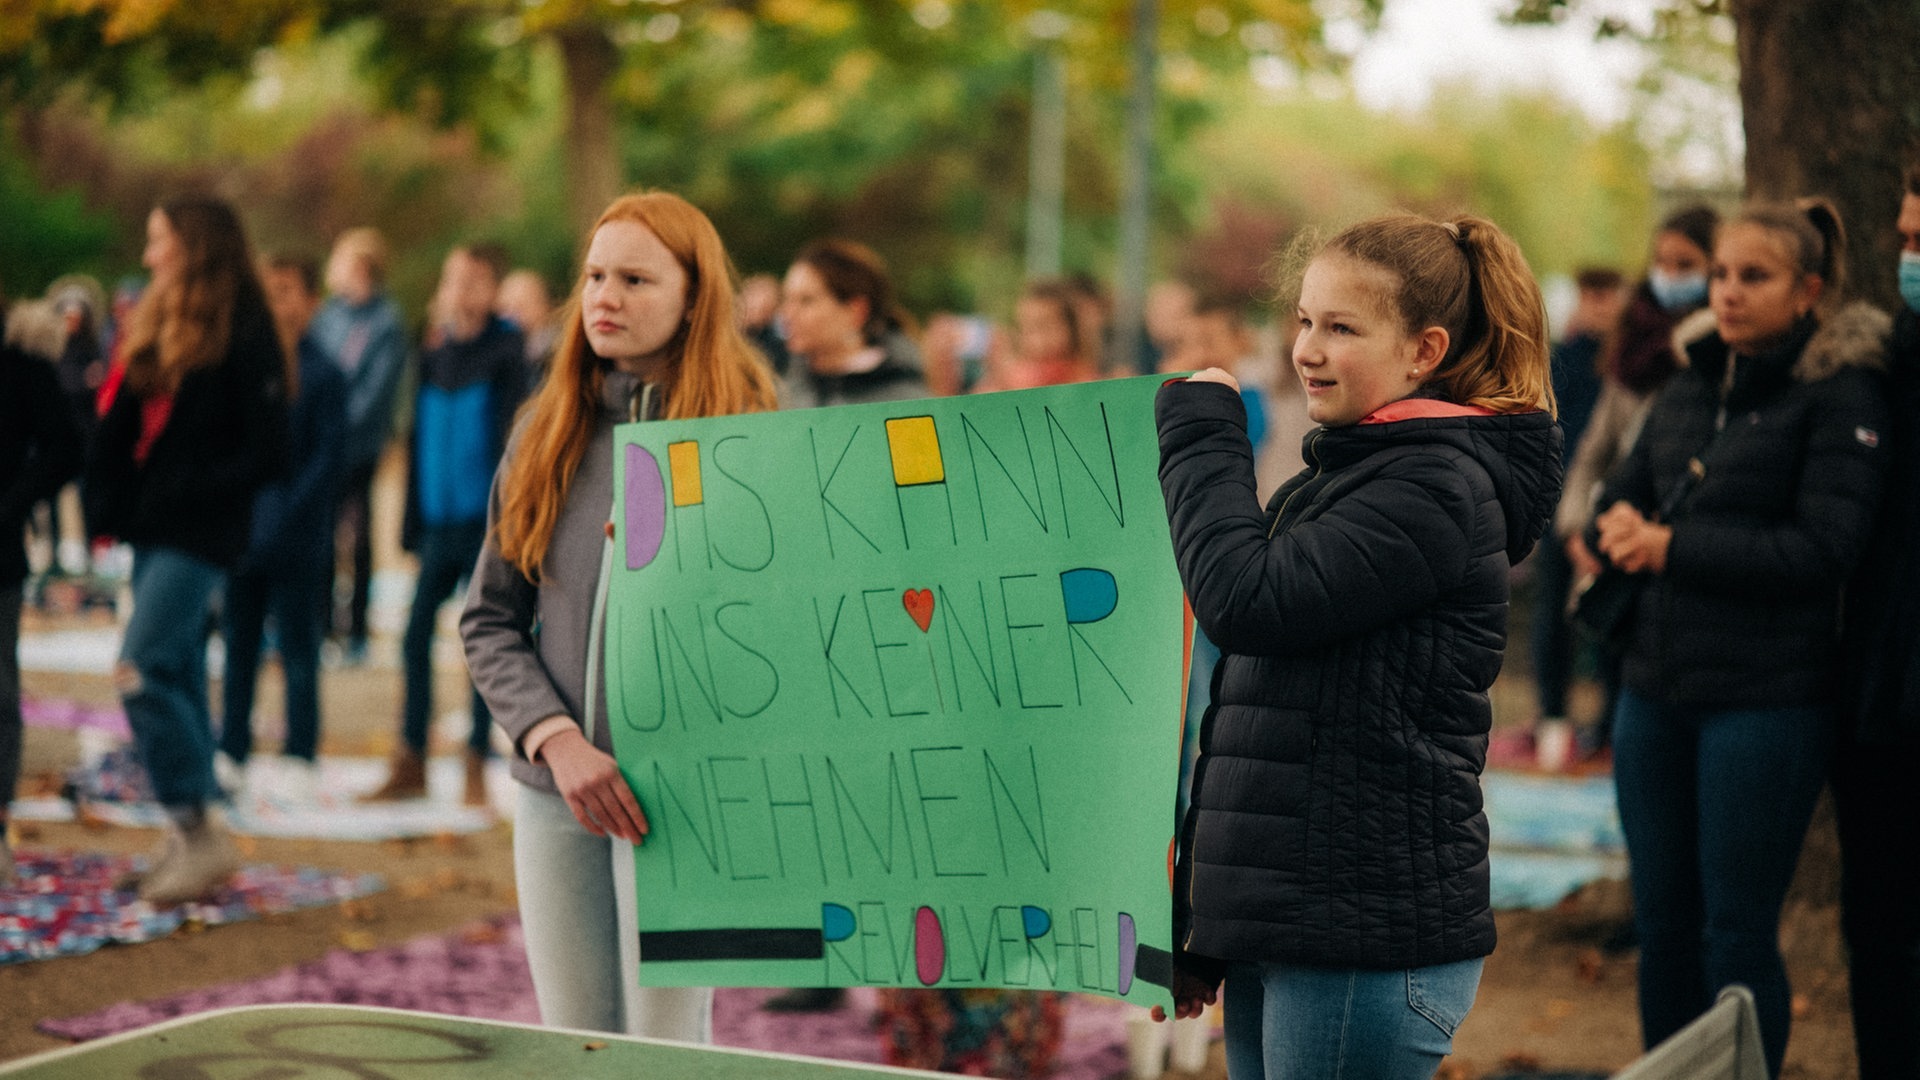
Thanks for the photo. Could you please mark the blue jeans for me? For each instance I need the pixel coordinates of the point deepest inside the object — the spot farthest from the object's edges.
(447, 554)
(1715, 804)
(1291, 1022)
(291, 594)
(162, 676)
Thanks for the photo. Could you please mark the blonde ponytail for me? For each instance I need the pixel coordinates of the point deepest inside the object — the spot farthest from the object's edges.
(1502, 361)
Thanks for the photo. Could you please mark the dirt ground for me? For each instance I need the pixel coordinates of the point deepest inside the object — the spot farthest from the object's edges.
(1552, 1000)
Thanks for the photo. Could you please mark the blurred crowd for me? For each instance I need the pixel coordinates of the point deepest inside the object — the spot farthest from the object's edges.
(1727, 425)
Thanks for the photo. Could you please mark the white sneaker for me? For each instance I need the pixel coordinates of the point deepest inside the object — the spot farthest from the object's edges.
(297, 782)
(231, 775)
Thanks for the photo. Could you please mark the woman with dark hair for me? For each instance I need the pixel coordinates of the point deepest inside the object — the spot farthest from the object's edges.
(649, 334)
(846, 329)
(195, 425)
(1744, 505)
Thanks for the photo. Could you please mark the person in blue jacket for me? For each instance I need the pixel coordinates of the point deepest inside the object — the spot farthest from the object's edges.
(472, 379)
(289, 561)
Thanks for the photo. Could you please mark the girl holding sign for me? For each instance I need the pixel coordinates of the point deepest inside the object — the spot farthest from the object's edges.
(1333, 865)
(648, 334)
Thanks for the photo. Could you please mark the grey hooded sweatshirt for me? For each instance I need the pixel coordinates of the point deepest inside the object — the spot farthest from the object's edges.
(526, 643)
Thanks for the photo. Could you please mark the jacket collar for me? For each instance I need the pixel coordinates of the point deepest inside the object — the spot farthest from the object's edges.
(1856, 336)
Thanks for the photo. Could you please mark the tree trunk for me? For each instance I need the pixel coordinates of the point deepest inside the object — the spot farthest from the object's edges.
(592, 157)
(1830, 97)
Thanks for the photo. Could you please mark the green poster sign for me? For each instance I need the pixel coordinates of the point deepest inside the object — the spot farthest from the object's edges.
(899, 687)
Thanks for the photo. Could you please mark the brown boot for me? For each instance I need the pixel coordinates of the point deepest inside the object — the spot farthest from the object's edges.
(476, 787)
(408, 780)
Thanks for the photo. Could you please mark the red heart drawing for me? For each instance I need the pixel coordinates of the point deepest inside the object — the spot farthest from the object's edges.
(919, 604)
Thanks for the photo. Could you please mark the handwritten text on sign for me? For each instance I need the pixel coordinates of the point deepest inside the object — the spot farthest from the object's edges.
(899, 689)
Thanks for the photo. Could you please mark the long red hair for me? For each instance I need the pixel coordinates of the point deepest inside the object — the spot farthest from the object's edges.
(714, 372)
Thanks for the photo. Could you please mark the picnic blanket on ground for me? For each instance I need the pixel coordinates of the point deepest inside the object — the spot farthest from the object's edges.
(481, 971)
(112, 787)
(1551, 835)
(66, 905)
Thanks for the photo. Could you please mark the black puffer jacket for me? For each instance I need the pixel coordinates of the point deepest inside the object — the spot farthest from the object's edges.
(1746, 612)
(1336, 814)
(1881, 660)
(226, 436)
(39, 448)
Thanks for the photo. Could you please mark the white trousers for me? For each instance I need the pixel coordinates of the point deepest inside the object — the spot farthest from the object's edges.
(577, 909)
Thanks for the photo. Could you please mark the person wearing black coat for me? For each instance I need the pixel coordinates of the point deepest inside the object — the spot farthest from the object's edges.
(1745, 504)
(39, 452)
(288, 566)
(196, 426)
(1875, 799)
(1332, 867)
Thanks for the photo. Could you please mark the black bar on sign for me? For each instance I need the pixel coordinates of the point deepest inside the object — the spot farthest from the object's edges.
(746, 944)
(1153, 965)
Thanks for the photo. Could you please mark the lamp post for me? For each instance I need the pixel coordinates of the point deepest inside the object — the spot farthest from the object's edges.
(1046, 145)
(1136, 191)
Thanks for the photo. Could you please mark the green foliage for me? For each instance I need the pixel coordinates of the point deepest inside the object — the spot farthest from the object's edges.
(788, 120)
(1569, 193)
(47, 233)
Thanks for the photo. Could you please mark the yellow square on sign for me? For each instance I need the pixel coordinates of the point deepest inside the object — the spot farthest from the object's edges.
(683, 461)
(915, 447)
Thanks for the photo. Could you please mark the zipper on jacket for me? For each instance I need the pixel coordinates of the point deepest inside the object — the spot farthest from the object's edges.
(1313, 455)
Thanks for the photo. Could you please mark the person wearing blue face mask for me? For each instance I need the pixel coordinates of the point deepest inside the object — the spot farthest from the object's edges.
(1636, 360)
(1877, 804)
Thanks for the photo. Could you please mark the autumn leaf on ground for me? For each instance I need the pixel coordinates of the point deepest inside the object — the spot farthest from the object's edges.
(1591, 966)
(483, 934)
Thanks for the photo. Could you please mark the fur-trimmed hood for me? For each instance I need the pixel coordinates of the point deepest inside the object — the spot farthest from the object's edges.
(1856, 336)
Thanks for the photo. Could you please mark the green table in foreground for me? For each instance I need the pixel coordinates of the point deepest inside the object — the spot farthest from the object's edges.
(288, 1042)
